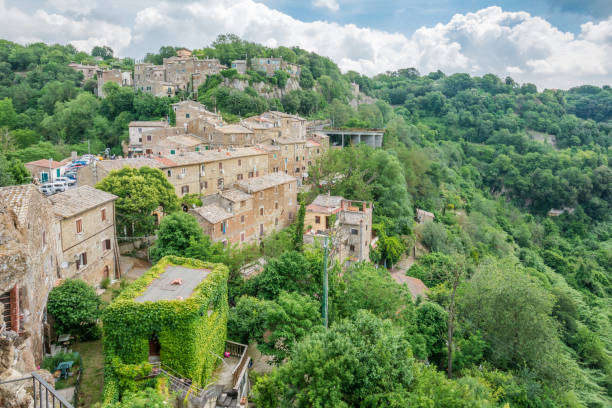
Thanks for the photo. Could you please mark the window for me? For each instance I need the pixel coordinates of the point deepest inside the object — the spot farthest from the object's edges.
(79, 226)
(275, 155)
(239, 162)
(172, 151)
(106, 245)
(81, 261)
(220, 166)
(103, 214)
(204, 185)
(276, 221)
(354, 231)
(139, 130)
(184, 170)
(148, 138)
(297, 169)
(317, 219)
(202, 170)
(140, 140)
(220, 183)
(261, 195)
(250, 174)
(239, 177)
(261, 211)
(186, 115)
(276, 205)
(297, 158)
(44, 238)
(242, 237)
(224, 227)
(185, 190)
(242, 219)
(352, 248)
(169, 173)
(290, 187)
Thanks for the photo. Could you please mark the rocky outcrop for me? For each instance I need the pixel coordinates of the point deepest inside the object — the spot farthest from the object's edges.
(264, 89)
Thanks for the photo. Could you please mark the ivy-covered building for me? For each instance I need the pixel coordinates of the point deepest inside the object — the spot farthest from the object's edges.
(176, 315)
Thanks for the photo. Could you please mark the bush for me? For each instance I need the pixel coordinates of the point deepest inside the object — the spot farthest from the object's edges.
(75, 307)
(105, 283)
(51, 363)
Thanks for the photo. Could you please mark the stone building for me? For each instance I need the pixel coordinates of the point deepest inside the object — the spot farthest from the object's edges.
(271, 65)
(89, 250)
(186, 111)
(423, 216)
(240, 66)
(228, 217)
(274, 200)
(249, 210)
(96, 171)
(45, 170)
(88, 71)
(29, 242)
(350, 220)
(136, 130)
(121, 78)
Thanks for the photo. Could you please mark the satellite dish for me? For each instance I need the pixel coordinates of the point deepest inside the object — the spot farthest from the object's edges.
(64, 265)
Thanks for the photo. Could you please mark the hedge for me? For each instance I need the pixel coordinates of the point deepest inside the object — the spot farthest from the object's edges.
(188, 330)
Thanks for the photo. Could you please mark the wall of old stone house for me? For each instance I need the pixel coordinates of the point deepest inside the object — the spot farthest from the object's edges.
(255, 164)
(95, 231)
(31, 265)
(274, 216)
(184, 176)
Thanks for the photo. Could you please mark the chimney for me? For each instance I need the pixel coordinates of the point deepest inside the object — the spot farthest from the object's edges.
(363, 207)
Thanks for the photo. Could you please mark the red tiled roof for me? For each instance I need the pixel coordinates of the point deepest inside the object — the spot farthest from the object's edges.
(165, 161)
(45, 163)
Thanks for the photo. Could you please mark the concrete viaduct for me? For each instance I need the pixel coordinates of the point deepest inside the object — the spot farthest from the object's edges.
(346, 137)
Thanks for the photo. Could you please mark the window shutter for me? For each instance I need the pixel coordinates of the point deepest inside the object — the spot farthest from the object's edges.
(84, 258)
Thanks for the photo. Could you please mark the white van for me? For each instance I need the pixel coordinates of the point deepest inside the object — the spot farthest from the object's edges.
(66, 180)
(47, 189)
(59, 186)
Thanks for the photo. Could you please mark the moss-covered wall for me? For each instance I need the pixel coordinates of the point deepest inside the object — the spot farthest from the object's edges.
(190, 331)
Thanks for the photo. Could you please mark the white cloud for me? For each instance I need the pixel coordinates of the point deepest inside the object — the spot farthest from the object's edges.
(490, 40)
(40, 25)
(330, 4)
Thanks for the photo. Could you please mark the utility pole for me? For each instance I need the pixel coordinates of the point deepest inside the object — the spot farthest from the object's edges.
(324, 311)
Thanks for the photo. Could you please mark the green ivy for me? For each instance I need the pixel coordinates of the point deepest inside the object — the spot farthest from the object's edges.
(191, 332)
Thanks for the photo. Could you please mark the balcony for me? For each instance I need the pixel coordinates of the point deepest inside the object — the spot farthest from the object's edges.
(42, 393)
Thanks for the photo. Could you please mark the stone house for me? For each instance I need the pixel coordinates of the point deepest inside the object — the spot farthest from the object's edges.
(227, 217)
(44, 170)
(180, 70)
(352, 225)
(293, 155)
(96, 171)
(291, 126)
(89, 249)
(88, 71)
(423, 216)
(135, 132)
(270, 65)
(121, 78)
(274, 200)
(178, 144)
(240, 66)
(183, 53)
(185, 111)
(29, 243)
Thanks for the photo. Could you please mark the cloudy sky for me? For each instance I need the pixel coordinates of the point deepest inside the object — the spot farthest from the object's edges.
(552, 43)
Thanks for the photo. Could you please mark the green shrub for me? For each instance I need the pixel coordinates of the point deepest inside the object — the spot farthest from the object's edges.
(75, 307)
(51, 363)
(105, 283)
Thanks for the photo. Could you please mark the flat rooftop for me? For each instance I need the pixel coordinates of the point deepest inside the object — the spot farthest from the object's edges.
(163, 289)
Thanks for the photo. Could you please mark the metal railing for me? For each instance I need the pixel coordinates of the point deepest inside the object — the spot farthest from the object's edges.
(240, 351)
(44, 395)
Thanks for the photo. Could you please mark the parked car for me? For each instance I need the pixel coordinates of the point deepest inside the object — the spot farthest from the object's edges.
(47, 189)
(71, 175)
(59, 186)
(69, 181)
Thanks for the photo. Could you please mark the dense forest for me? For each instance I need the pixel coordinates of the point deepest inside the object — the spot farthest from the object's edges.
(519, 308)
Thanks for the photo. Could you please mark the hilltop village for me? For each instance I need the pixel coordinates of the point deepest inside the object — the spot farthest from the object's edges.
(242, 225)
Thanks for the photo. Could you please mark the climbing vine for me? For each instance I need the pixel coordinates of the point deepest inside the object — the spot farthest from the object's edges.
(191, 331)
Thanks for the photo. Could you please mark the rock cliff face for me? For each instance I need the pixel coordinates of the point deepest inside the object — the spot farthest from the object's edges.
(16, 361)
(264, 89)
